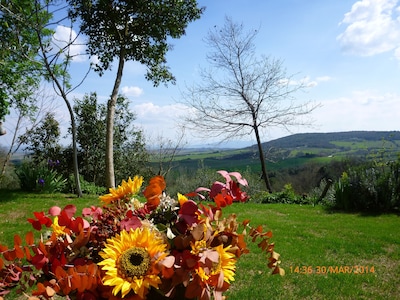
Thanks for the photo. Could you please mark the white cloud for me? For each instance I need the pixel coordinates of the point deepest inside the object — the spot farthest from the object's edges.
(323, 78)
(362, 110)
(133, 91)
(63, 36)
(373, 27)
(159, 120)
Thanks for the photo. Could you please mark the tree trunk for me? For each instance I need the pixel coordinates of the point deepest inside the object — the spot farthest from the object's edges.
(110, 175)
(262, 161)
(63, 94)
(75, 150)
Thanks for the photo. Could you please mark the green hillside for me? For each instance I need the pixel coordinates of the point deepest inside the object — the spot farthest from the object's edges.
(297, 149)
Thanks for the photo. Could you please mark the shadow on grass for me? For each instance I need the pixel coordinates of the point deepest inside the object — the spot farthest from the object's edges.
(363, 213)
(10, 195)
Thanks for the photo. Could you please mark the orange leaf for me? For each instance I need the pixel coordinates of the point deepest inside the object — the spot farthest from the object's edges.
(19, 253)
(27, 253)
(83, 283)
(17, 241)
(3, 248)
(29, 238)
(1, 263)
(246, 222)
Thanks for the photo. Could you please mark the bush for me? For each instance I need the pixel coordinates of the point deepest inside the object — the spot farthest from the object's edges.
(287, 196)
(372, 187)
(40, 177)
(89, 188)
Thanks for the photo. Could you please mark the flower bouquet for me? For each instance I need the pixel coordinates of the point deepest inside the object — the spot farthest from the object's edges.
(157, 248)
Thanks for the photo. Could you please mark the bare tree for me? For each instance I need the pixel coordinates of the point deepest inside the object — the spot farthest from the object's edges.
(166, 150)
(29, 113)
(242, 94)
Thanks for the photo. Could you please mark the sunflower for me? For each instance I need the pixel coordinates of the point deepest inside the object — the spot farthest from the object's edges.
(130, 261)
(213, 262)
(126, 189)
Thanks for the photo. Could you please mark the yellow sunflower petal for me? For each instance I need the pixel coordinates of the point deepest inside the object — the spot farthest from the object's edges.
(123, 271)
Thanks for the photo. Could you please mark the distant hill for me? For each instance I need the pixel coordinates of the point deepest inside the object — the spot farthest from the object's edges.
(330, 140)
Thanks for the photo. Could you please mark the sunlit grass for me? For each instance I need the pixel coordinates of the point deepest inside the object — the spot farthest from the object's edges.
(305, 236)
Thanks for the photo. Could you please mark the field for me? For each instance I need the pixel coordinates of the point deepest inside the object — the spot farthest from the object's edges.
(326, 255)
(295, 151)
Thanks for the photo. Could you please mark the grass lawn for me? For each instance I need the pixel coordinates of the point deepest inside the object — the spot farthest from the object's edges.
(321, 252)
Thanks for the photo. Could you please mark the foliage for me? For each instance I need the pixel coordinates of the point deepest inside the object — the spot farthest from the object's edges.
(131, 30)
(88, 188)
(9, 179)
(21, 71)
(136, 31)
(40, 177)
(42, 142)
(187, 246)
(287, 196)
(371, 187)
(129, 148)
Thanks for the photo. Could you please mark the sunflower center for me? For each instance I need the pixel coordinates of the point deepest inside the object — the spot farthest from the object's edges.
(134, 262)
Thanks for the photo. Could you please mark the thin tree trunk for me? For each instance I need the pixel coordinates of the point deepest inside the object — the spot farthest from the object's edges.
(71, 114)
(110, 174)
(10, 151)
(262, 161)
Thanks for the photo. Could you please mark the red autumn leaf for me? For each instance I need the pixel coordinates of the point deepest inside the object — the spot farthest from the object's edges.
(70, 210)
(93, 211)
(188, 212)
(41, 219)
(39, 260)
(1, 263)
(131, 223)
(9, 255)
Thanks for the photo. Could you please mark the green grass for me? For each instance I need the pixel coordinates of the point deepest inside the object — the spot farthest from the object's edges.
(309, 236)
(303, 235)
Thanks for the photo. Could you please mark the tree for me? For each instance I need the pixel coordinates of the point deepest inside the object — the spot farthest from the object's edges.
(29, 112)
(129, 147)
(17, 55)
(131, 30)
(43, 141)
(242, 94)
(28, 27)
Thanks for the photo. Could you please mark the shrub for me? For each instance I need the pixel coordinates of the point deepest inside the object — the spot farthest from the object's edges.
(372, 187)
(287, 196)
(41, 177)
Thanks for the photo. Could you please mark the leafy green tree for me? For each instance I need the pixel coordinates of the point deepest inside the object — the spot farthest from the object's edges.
(42, 142)
(20, 71)
(124, 30)
(31, 53)
(129, 148)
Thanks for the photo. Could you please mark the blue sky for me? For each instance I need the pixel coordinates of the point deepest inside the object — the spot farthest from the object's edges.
(348, 52)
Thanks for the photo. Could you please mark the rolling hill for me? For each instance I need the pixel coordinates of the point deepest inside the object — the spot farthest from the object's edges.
(297, 149)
